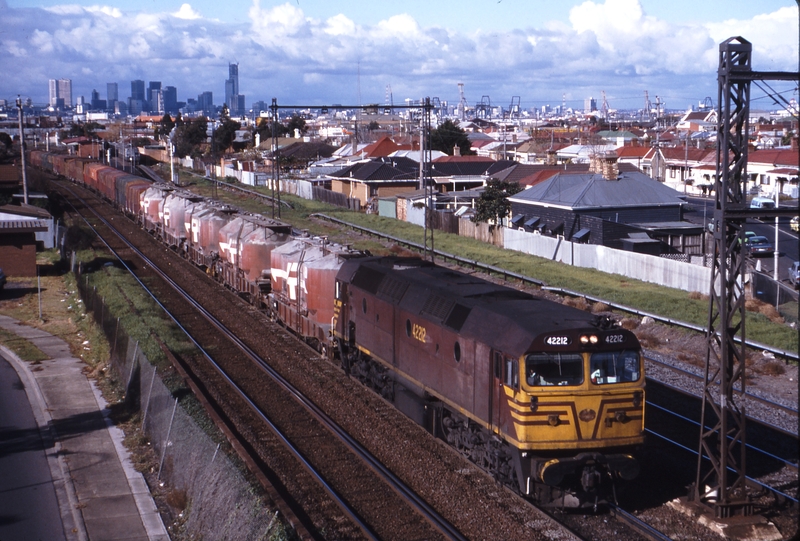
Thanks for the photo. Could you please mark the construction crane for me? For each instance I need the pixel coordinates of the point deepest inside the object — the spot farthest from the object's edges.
(646, 115)
(462, 103)
(514, 109)
(604, 107)
(389, 99)
(483, 109)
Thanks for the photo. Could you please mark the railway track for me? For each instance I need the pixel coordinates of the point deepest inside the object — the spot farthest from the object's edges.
(788, 414)
(356, 500)
(641, 529)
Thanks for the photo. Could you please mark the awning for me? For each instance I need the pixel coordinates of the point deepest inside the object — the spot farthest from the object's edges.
(518, 220)
(581, 235)
(531, 224)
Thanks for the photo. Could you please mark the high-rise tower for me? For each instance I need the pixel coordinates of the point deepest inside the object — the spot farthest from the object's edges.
(234, 101)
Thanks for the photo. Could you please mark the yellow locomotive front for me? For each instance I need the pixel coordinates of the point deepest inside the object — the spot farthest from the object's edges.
(578, 413)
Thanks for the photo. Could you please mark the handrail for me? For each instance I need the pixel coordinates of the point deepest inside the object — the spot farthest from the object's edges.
(789, 355)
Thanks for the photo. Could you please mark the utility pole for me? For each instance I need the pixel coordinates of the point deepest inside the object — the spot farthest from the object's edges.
(22, 153)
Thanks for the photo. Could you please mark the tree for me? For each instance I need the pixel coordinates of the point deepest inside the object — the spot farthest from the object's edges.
(448, 136)
(165, 126)
(296, 123)
(189, 135)
(264, 129)
(493, 205)
(225, 133)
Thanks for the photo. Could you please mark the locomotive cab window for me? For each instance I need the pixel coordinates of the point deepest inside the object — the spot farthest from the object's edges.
(554, 369)
(511, 375)
(614, 367)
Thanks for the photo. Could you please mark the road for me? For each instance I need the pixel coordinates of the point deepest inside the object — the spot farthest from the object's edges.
(701, 209)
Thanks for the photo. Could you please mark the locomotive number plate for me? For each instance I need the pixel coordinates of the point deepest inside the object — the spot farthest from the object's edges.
(614, 339)
(557, 340)
(418, 332)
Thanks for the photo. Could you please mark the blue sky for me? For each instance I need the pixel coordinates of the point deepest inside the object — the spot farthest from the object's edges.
(325, 52)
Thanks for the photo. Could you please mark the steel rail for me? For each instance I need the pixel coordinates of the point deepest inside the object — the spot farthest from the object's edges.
(401, 488)
(751, 396)
(638, 525)
(786, 462)
(750, 480)
(491, 269)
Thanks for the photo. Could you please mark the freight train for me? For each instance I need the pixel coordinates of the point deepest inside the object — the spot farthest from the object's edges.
(547, 398)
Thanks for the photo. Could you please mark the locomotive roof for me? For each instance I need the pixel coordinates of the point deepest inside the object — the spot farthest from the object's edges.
(506, 318)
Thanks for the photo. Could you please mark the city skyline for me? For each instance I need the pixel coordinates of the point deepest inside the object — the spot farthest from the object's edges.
(308, 52)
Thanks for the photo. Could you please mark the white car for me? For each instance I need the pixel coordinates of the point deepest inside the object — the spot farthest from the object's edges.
(794, 274)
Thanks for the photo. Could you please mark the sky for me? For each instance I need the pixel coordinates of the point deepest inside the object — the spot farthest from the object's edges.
(325, 52)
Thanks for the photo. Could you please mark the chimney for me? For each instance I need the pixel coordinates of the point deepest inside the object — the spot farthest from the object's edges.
(456, 150)
(605, 164)
(551, 158)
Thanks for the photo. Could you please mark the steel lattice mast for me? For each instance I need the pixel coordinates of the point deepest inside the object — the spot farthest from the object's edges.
(722, 432)
(723, 441)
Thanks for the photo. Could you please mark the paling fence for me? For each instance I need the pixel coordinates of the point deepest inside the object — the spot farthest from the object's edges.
(221, 503)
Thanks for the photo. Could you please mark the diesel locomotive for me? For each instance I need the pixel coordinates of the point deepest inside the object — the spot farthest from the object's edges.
(547, 398)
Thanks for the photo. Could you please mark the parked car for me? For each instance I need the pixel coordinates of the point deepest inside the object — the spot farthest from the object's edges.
(2, 279)
(795, 223)
(762, 203)
(794, 274)
(758, 246)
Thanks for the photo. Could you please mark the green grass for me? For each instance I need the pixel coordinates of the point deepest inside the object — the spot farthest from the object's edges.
(24, 349)
(666, 302)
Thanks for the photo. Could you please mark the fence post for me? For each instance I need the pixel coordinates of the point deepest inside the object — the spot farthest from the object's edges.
(149, 392)
(133, 363)
(114, 347)
(166, 441)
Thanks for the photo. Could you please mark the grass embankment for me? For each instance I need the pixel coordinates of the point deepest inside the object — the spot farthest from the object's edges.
(762, 324)
(51, 303)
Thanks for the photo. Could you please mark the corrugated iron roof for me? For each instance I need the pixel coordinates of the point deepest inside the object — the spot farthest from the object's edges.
(591, 190)
(23, 226)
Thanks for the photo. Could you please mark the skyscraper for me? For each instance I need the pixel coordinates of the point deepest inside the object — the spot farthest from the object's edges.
(205, 102)
(137, 90)
(151, 98)
(136, 101)
(232, 98)
(60, 92)
(168, 100)
(112, 95)
(53, 92)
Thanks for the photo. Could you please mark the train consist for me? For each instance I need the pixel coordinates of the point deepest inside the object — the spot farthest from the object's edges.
(547, 398)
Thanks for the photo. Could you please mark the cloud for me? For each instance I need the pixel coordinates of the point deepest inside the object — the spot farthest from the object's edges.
(282, 51)
(186, 12)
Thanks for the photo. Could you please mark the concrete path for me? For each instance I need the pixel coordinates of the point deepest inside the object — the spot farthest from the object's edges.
(100, 494)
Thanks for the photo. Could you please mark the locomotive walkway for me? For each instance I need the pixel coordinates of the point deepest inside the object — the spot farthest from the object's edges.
(99, 494)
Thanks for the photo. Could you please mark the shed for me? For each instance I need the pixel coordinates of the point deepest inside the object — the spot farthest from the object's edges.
(23, 212)
(18, 246)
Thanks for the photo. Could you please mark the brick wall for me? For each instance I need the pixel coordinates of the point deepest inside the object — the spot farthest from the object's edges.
(18, 254)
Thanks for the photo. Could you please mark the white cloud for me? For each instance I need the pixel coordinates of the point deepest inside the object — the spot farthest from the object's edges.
(186, 12)
(105, 10)
(340, 25)
(611, 44)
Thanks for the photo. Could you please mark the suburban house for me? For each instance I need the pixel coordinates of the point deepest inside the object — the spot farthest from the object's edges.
(627, 210)
(775, 167)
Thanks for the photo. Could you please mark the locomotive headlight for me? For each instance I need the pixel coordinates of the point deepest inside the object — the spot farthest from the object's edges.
(637, 399)
(589, 339)
(593, 339)
(584, 339)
